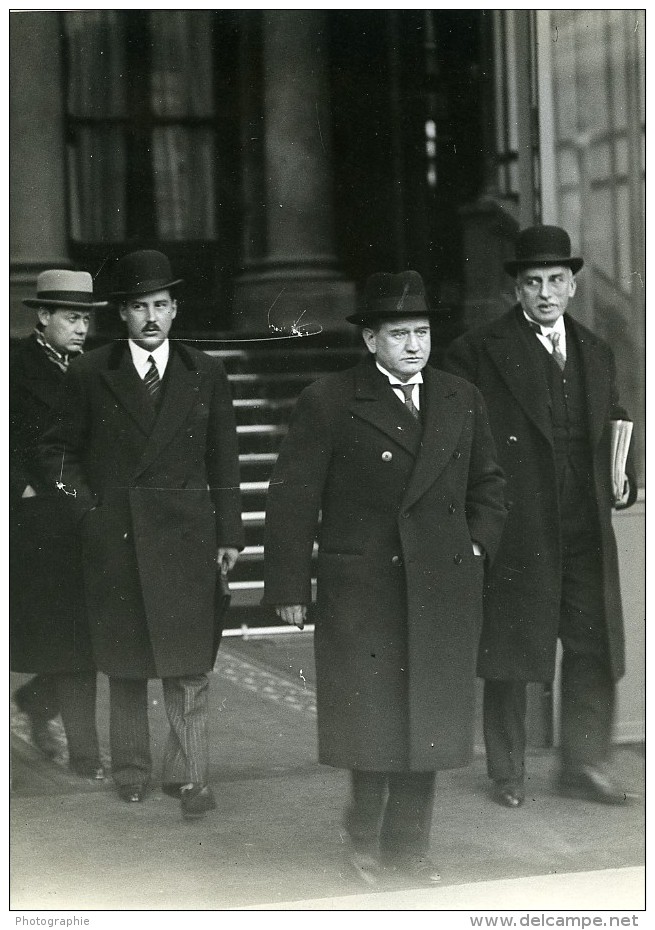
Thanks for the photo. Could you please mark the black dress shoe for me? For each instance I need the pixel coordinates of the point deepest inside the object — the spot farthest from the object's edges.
(196, 800)
(509, 794)
(590, 783)
(365, 867)
(132, 794)
(173, 789)
(93, 770)
(417, 868)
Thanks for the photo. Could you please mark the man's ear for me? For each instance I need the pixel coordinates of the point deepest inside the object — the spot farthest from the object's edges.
(122, 312)
(573, 285)
(369, 336)
(44, 316)
(173, 309)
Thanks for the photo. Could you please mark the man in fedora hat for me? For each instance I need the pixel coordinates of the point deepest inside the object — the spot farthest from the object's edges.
(145, 448)
(48, 626)
(550, 389)
(399, 459)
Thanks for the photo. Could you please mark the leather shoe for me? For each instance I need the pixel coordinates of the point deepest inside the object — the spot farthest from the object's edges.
(173, 789)
(366, 868)
(196, 800)
(417, 868)
(509, 794)
(132, 794)
(590, 783)
(93, 770)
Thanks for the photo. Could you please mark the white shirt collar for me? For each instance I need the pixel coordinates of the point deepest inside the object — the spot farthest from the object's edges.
(140, 357)
(557, 327)
(415, 379)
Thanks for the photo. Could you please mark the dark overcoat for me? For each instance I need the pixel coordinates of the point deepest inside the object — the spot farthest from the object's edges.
(523, 588)
(155, 495)
(48, 626)
(399, 588)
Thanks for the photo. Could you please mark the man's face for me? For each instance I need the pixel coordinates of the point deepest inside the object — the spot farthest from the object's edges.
(544, 293)
(64, 329)
(149, 318)
(402, 346)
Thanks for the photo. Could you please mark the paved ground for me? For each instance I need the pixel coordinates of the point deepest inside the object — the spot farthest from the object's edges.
(276, 839)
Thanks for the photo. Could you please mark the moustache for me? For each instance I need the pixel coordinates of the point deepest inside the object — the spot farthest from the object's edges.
(150, 328)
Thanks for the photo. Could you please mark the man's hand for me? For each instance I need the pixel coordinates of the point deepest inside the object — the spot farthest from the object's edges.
(29, 491)
(226, 558)
(293, 614)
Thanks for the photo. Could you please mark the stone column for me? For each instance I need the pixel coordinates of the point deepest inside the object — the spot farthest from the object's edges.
(298, 273)
(37, 185)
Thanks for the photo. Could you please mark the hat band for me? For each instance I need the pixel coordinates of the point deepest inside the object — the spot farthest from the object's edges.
(545, 257)
(411, 304)
(145, 287)
(75, 297)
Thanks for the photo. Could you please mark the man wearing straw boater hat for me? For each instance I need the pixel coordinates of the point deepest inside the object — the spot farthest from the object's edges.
(145, 450)
(550, 389)
(48, 626)
(399, 459)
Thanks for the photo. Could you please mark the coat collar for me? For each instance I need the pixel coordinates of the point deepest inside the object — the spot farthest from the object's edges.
(180, 393)
(442, 414)
(39, 375)
(508, 344)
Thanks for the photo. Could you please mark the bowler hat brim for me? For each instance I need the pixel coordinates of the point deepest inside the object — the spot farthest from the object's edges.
(148, 287)
(364, 317)
(513, 267)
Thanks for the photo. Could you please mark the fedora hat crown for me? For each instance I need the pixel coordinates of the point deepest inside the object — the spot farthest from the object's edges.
(61, 287)
(389, 295)
(143, 272)
(543, 245)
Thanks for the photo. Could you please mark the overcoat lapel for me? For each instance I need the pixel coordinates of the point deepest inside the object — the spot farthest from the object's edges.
(595, 374)
(376, 403)
(41, 376)
(442, 414)
(509, 352)
(123, 380)
(182, 390)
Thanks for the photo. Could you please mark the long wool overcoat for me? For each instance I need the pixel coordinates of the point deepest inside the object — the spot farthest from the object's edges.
(48, 625)
(399, 589)
(523, 588)
(155, 496)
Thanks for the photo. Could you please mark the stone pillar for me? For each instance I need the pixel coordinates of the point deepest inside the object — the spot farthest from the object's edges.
(37, 166)
(298, 272)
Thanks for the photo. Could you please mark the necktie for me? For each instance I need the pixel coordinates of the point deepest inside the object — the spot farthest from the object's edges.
(557, 353)
(152, 381)
(407, 390)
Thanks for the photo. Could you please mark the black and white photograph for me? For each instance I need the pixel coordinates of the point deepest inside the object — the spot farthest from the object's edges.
(327, 460)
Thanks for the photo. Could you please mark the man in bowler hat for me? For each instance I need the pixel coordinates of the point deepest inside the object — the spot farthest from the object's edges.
(550, 389)
(145, 448)
(48, 626)
(399, 459)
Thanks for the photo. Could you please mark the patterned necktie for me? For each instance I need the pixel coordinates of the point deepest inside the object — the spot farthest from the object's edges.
(408, 390)
(152, 381)
(557, 352)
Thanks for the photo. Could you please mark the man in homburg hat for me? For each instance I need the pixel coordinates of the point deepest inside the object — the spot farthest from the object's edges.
(145, 447)
(48, 627)
(550, 389)
(399, 459)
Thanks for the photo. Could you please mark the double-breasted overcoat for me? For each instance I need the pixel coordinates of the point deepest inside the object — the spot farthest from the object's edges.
(155, 495)
(523, 588)
(48, 626)
(399, 591)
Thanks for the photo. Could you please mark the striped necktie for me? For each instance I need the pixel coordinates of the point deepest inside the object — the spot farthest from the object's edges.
(553, 338)
(408, 390)
(152, 381)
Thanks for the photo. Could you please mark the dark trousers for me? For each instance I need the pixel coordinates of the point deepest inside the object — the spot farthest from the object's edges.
(185, 754)
(588, 688)
(74, 697)
(392, 809)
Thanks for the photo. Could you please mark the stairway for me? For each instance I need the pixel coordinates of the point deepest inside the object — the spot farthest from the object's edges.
(266, 382)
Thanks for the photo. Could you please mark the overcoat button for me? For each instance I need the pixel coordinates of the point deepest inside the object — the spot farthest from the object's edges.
(458, 559)
(457, 454)
(396, 560)
(451, 508)
(387, 456)
(511, 439)
(406, 514)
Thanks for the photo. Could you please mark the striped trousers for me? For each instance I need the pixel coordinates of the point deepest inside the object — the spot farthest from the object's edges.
(186, 751)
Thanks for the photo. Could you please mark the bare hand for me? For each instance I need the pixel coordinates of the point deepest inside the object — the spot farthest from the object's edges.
(293, 614)
(226, 558)
(29, 491)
